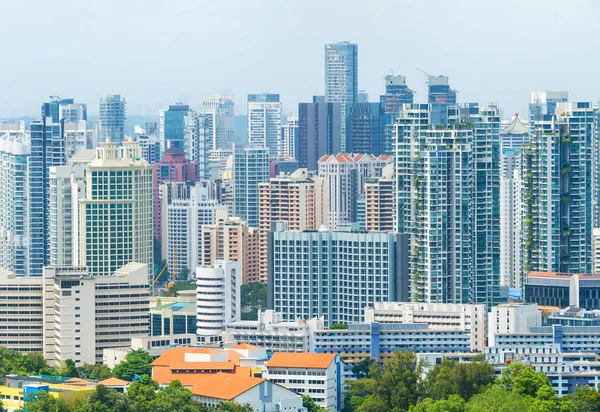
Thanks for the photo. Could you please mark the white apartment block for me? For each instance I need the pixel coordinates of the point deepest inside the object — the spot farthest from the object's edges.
(185, 218)
(344, 178)
(512, 318)
(272, 333)
(218, 299)
(289, 135)
(116, 215)
(219, 110)
(312, 374)
(67, 187)
(596, 249)
(264, 122)
(439, 316)
(77, 137)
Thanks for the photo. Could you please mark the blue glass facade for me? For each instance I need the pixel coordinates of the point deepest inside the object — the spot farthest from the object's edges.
(440, 98)
(175, 126)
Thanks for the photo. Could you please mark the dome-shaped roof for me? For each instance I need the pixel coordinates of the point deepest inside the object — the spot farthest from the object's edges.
(516, 127)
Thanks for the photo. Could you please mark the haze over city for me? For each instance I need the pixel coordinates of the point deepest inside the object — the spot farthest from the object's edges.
(155, 53)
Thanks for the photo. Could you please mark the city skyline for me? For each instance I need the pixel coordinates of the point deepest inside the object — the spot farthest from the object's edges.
(97, 62)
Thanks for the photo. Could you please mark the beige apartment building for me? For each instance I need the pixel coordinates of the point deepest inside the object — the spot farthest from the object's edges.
(379, 202)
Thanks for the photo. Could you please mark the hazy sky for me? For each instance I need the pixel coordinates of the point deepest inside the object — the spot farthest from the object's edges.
(156, 52)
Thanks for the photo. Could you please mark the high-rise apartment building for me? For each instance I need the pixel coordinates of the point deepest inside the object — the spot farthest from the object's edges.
(557, 176)
(264, 122)
(250, 167)
(173, 167)
(294, 199)
(185, 217)
(343, 184)
(379, 202)
(511, 223)
(290, 138)
(14, 210)
(320, 131)
(112, 118)
(72, 112)
(440, 98)
(218, 298)
(67, 187)
(219, 112)
(515, 135)
(341, 72)
(230, 238)
(334, 274)
(116, 215)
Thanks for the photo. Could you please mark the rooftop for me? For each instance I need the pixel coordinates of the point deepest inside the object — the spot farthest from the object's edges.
(224, 386)
(301, 360)
(516, 127)
(113, 382)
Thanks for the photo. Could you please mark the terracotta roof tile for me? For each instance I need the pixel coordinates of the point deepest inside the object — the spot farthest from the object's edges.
(301, 360)
(224, 386)
(245, 346)
(113, 382)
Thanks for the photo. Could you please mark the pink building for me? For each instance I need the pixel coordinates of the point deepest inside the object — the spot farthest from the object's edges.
(173, 167)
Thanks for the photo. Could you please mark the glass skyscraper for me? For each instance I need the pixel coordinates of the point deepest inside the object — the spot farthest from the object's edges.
(112, 118)
(341, 72)
(250, 167)
(440, 98)
(264, 122)
(174, 126)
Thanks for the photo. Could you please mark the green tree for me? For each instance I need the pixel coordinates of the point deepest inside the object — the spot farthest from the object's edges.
(310, 404)
(96, 372)
(583, 399)
(338, 326)
(498, 399)
(229, 406)
(142, 393)
(137, 362)
(253, 297)
(464, 379)
(2, 408)
(454, 403)
(361, 369)
(68, 369)
(42, 402)
(104, 399)
(184, 275)
(523, 380)
(173, 398)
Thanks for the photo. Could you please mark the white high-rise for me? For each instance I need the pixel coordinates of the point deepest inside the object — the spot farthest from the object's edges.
(14, 208)
(264, 122)
(116, 215)
(219, 113)
(289, 135)
(218, 297)
(185, 219)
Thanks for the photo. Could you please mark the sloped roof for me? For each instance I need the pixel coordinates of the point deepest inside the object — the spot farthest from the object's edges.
(178, 355)
(301, 360)
(113, 382)
(516, 127)
(245, 346)
(224, 386)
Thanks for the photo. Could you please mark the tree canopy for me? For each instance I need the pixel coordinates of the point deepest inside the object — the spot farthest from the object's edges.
(137, 362)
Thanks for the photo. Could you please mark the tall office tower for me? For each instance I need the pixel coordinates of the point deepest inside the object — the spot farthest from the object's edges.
(52, 107)
(542, 105)
(14, 213)
(294, 199)
(379, 201)
(511, 270)
(185, 218)
(557, 196)
(174, 167)
(485, 287)
(220, 112)
(440, 98)
(335, 287)
(112, 118)
(442, 216)
(514, 136)
(396, 94)
(364, 128)
(412, 119)
(67, 186)
(197, 144)
(320, 131)
(341, 72)
(116, 214)
(343, 184)
(264, 122)
(250, 167)
(173, 126)
(230, 238)
(289, 137)
(47, 149)
(218, 287)
(72, 112)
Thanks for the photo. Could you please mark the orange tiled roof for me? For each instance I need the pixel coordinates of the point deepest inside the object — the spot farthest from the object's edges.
(224, 386)
(113, 382)
(301, 360)
(178, 355)
(201, 366)
(245, 346)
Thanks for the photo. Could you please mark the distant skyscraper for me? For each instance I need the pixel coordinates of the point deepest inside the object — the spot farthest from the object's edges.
(396, 94)
(514, 136)
(542, 105)
(290, 137)
(250, 167)
(379, 202)
(116, 213)
(264, 122)
(112, 118)
(14, 211)
(557, 196)
(440, 97)
(219, 112)
(364, 128)
(341, 72)
(320, 131)
(511, 271)
(174, 125)
(72, 112)
(52, 107)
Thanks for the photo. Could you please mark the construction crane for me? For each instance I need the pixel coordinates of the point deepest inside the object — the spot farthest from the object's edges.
(158, 276)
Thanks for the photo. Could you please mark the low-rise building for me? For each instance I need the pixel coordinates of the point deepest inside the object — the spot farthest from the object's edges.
(272, 333)
(512, 318)
(316, 375)
(174, 315)
(563, 289)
